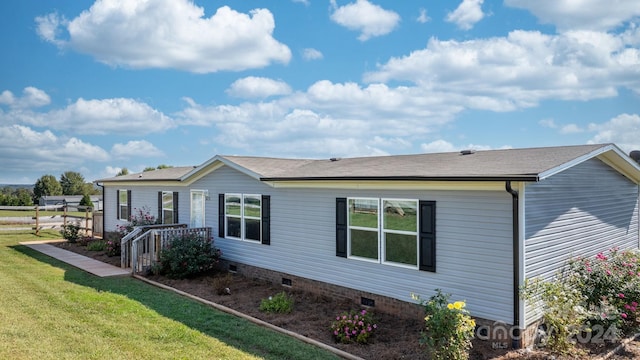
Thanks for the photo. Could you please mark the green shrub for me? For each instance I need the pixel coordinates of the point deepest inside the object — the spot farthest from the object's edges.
(70, 233)
(353, 326)
(97, 245)
(448, 328)
(591, 300)
(113, 240)
(187, 256)
(280, 303)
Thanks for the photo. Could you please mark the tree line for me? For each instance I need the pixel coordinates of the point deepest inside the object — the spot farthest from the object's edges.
(70, 183)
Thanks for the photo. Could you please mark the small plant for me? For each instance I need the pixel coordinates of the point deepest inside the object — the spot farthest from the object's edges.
(112, 245)
(84, 240)
(70, 233)
(188, 255)
(97, 245)
(139, 217)
(222, 284)
(564, 315)
(353, 326)
(280, 303)
(448, 328)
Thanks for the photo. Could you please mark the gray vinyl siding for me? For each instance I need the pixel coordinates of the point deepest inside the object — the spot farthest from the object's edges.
(147, 197)
(473, 242)
(584, 210)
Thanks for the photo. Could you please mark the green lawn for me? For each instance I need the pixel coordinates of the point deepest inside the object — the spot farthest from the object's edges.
(49, 310)
(41, 213)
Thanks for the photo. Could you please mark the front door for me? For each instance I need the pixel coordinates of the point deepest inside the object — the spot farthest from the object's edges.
(197, 208)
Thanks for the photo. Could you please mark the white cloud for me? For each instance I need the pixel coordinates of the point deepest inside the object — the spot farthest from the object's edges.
(371, 20)
(467, 14)
(423, 17)
(107, 116)
(571, 129)
(24, 149)
(549, 123)
(135, 148)
(169, 34)
(32, 97)
(258, 87)
(445, 146)
(580, 14)
(520, 70)
(311, 54)
(304, 2)
(354, 120)
(623, 130)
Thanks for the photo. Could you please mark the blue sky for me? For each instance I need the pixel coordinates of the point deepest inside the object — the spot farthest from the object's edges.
(97, 86)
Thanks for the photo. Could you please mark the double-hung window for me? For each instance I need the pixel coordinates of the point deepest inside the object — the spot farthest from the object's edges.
(399, 232)
(124, 204)
(167, 207)
(243, 216)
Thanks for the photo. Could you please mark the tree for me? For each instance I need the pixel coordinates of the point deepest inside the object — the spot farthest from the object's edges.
(72, 183)
(86, 201)
(91, 189)
(163, 166)
(149, 168)
(124, 171)
(46, 185)
(24, 197)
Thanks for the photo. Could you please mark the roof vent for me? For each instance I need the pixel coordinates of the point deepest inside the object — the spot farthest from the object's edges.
(334, 159)
(467, 152)
(635, 155)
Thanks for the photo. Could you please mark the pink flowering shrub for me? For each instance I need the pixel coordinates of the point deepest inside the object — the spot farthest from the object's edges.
(139, 217)
(610, 284)
(353, 326)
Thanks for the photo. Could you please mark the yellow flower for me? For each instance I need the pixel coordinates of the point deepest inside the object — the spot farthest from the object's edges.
(450, 306)
(458, 305)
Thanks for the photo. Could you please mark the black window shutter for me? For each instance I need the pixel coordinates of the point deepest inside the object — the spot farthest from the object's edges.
(221, 215)
(118, 204)
(341, 227)
(160, 212)
(427, 243)
(266, 220)
(175, 207)
(129, 209)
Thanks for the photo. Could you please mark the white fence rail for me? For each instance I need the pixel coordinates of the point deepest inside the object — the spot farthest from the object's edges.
(145, 249)
(125, 242)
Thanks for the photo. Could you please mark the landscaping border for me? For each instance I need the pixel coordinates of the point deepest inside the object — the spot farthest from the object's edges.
(254, 320)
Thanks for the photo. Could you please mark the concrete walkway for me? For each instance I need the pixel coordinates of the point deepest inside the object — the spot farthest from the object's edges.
(87, 264)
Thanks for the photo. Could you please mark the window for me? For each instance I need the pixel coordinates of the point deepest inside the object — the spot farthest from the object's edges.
(244, 217)
(197, 208)
(398, 232)
(167, 207)
(124, 204)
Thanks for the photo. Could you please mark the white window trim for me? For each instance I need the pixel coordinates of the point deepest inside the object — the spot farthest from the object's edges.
(170, 193)
(349, 227)
(384, 231)
(120, 192)
(242, 218)
(381, 231)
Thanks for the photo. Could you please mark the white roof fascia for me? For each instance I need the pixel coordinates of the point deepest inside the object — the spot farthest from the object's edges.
(223, 161)
(548, 173)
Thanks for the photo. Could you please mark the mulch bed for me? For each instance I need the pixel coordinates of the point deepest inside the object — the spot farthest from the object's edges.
(396, 337)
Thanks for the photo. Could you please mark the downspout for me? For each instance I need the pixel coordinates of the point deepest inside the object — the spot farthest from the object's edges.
(516, 341)
(104, 213)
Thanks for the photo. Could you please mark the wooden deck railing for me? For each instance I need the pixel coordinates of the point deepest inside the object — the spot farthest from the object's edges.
(145, 249)
(125, 243)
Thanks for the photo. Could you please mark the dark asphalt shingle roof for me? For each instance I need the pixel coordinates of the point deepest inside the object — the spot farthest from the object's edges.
(511, 163)
(525, 164)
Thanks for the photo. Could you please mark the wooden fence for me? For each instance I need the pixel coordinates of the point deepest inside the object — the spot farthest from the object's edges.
(57, 221)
